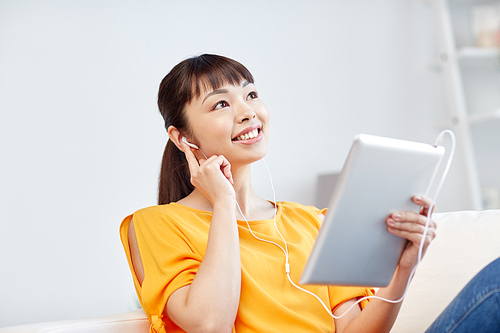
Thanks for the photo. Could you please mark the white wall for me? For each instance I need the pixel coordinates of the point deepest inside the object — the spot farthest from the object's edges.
(81, 138)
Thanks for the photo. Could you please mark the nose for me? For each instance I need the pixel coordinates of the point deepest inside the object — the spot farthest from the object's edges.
(244, 113)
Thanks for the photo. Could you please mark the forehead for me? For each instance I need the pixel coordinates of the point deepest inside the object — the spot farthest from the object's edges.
(206, 84)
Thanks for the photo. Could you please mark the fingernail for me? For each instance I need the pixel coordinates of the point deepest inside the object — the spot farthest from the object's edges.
(396, 216)
(418, 198)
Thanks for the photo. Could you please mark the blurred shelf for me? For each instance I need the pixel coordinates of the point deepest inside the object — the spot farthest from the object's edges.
(474, 52)
(485, 117)
(471, 56)
(471, 77)
(479, 56)
(473, 2)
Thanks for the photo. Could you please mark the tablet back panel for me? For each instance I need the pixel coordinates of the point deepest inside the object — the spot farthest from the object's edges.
(380, 176)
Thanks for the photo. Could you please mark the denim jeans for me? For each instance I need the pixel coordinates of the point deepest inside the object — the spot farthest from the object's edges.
(476, 308)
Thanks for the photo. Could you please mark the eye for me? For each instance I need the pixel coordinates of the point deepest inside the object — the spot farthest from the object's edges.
(252, 95)
(220, 105)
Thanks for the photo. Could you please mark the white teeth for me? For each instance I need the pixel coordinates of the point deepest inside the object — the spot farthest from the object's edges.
(249, 135)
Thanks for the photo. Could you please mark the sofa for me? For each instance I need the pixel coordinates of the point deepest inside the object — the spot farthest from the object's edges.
(466, 242)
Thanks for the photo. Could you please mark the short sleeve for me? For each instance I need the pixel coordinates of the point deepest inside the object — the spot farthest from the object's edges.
(317, 211)
(340, 294)
(169, 258)
(314, 212)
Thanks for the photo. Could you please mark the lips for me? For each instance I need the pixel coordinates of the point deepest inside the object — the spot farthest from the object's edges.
(248, 133)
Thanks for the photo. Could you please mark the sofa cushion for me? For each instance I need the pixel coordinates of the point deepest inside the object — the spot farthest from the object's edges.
(128, 322)
(465, 243)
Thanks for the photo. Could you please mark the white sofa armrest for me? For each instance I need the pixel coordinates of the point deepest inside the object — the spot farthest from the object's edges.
(128, 322)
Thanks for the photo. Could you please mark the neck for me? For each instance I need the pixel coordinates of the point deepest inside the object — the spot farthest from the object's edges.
(245, 195)
(252, 206)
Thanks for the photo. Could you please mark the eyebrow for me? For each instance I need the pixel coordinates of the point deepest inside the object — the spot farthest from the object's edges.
(215, 92)
(222, 91)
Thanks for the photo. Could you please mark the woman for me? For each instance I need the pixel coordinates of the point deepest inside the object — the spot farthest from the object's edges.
(196, 264)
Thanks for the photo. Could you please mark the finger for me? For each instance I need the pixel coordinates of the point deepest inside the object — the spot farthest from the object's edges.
(411, 226)
(201, 159)
(417, 226)
(225, 167)
(415, 237)
(199, 155)
(191, 159)
(425, 202)
(405, 216)
(411, 231)
(221, 163)
(413, 217)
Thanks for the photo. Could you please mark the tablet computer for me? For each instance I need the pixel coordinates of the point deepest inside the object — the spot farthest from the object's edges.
(380, 176)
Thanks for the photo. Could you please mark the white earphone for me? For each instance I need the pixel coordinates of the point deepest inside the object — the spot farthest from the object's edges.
(192, 145)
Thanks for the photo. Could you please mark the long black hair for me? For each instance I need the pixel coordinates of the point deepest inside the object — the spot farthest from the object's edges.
(185, 82)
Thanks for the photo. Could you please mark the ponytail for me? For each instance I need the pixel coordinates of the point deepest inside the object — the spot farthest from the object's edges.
(175, 178)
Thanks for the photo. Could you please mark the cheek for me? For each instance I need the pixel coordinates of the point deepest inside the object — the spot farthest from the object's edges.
(264, 110)
(211, 132)
(263, 115)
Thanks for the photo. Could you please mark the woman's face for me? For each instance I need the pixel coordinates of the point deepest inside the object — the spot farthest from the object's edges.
(230, 121)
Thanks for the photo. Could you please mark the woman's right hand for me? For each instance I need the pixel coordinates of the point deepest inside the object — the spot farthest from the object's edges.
(210, 302)
(211, 176)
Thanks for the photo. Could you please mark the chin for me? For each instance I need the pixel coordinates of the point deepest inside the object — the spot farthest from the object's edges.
(249, 159)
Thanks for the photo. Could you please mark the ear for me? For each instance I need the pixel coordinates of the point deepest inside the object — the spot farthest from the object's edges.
(175, 136)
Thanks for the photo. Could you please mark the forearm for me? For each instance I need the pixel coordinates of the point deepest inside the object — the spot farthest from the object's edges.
(379, 316)
(211, 301)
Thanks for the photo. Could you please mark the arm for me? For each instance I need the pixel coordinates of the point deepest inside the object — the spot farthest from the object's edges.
(211, 302)
(378, 315)
(216, 284)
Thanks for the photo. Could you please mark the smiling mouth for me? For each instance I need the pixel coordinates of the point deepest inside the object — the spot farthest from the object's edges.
(247, 136)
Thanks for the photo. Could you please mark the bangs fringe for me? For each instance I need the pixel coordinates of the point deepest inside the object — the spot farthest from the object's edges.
(213, 72)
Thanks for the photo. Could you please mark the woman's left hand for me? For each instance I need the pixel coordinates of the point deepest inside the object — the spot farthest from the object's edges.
(411, 226)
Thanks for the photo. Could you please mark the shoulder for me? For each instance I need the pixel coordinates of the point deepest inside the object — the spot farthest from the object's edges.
(171, 219)
(303, 212)
(299, 208)
(154, 218)
(162, 213)
(158, 210)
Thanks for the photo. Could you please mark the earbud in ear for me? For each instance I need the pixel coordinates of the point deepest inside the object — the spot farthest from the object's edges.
(189, 143)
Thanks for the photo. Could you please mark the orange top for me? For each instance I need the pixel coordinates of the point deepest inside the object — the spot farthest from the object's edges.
(172, 240)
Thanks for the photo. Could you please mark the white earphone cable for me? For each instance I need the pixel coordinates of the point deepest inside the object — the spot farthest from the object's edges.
(439, 139)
